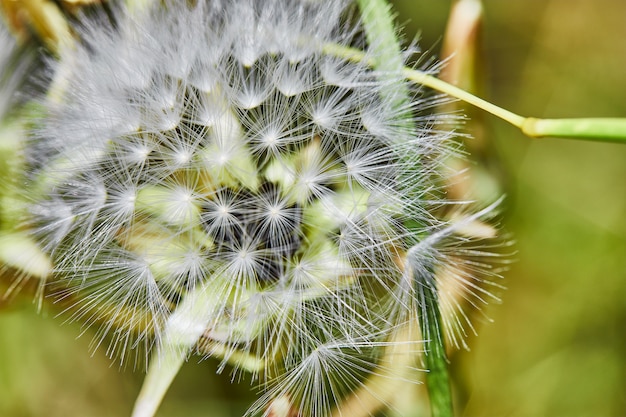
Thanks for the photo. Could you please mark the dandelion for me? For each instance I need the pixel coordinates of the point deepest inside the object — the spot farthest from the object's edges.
(205, 178)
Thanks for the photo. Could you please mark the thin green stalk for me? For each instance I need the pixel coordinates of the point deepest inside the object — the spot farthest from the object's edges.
(162, 371)
(182, 332)
(382, 39)
(388, 61)
(427, 80)
(606, 129)
(599, 129)
(437, 378)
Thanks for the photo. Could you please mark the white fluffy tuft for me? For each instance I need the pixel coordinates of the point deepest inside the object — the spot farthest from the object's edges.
(208, 177)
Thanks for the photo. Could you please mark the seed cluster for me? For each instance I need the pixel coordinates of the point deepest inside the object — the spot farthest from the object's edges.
(216, 148)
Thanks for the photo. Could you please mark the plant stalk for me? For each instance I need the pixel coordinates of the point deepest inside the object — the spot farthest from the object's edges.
(597, 129)
(437, 378)
(382, 39)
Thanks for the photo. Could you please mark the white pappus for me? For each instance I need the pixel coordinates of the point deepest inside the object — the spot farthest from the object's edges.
(206, 178)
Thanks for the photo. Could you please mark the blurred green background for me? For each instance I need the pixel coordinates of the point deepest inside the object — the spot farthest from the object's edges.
(557, 344)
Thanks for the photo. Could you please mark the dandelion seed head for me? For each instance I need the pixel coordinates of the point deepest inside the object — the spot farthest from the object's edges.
(214, 148)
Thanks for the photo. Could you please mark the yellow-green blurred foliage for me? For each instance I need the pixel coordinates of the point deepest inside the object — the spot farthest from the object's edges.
(557, 346)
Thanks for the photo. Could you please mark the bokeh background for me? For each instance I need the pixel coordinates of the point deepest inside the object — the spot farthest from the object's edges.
(557, 343)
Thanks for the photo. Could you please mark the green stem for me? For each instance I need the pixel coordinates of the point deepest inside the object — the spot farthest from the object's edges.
(601, 129)
(437, 378)
(420, 77)
(387, 58)
(162, 371)
(182, 331)
(607, 129)
(382, 40)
